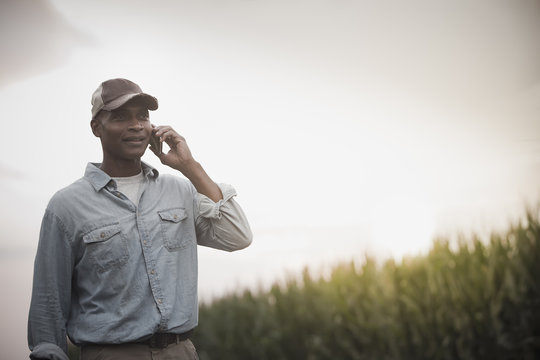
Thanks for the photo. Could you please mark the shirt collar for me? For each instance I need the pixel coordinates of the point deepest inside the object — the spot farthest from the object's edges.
(99, 179)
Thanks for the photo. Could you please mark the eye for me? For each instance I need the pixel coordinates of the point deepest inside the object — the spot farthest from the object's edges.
(143, 116)
(118, 116)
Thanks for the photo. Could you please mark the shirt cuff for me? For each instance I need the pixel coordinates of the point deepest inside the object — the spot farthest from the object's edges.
(48, 351)
(210, 209)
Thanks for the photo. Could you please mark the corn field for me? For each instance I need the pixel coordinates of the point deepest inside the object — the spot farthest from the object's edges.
(469, 299)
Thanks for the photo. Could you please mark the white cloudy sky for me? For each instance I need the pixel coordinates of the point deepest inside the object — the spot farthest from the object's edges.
(347, 127)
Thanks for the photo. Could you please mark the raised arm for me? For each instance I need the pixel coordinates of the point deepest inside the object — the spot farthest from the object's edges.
(220, 221)
(179, 157)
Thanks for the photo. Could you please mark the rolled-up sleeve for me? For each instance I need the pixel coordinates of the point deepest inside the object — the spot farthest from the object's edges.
(51, 293)
(223, 224)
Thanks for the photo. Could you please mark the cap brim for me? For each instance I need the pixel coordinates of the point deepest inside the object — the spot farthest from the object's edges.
(150, 102)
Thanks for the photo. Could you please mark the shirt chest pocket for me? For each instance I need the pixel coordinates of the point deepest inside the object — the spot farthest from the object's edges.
(176, 228)
(106, 247)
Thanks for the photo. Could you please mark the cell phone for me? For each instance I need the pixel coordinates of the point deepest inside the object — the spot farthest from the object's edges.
(156, 143)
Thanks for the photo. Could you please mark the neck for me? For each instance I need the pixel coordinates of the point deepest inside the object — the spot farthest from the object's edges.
(121, 168)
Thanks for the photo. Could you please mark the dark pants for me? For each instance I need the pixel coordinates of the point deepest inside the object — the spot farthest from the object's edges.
(183, 350)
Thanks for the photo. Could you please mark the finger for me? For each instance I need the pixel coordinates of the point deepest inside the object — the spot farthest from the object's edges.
(159, 130)
(171, 137)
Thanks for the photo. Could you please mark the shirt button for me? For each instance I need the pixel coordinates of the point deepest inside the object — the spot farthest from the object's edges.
(160, 301)
(152, 272)
(145, 242)
(175, 217)
(102, 235)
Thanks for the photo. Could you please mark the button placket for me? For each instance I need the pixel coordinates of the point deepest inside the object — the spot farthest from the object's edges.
(155, 285)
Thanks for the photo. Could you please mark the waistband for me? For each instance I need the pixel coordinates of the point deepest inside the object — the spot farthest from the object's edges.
(157, 341)
(162, 340)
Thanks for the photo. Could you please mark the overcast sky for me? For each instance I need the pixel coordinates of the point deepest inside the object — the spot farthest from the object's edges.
(347, 127)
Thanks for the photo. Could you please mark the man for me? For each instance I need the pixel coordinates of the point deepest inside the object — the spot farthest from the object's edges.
(116, 265)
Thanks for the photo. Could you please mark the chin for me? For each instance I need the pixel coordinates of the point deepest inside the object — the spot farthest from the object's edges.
(138, 155)
(130, 155)
(135, 152)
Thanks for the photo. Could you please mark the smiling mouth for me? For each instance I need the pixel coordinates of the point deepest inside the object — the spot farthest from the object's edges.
(135, 139)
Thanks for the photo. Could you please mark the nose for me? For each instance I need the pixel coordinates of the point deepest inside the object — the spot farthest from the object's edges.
(135, 123)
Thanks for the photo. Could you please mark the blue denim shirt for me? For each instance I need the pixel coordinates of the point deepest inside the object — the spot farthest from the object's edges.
(107, 271)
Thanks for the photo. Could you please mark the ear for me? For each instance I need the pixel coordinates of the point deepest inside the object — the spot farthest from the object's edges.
(96, 127)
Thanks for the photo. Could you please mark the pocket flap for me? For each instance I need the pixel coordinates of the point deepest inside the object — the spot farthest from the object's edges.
(174, 215)
(101, 234)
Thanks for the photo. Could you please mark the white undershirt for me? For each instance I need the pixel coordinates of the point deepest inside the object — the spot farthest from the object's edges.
(130, 186)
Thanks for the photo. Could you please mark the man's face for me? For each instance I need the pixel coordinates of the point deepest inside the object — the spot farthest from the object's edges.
(124, 132)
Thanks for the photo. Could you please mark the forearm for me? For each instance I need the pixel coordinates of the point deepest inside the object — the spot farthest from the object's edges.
(201, 181)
